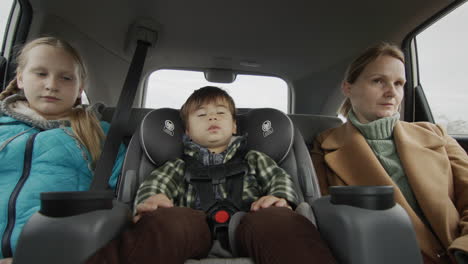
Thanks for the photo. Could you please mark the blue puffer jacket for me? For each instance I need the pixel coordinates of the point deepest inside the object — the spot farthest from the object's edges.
(59, 163)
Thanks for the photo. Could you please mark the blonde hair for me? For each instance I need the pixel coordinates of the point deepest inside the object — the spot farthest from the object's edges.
(84, 123)
(356, 67)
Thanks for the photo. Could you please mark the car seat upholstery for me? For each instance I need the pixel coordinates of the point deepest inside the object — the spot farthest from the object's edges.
(159, 139)
(136, 115)
(312, 125)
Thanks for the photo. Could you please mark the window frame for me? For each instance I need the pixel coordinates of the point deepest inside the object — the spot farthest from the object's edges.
(415, 100)
(289, 90)
(7, 27)
(16, 35)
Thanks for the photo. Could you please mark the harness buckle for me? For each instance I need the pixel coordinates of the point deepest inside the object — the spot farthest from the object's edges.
(218, 217)
(221, 217)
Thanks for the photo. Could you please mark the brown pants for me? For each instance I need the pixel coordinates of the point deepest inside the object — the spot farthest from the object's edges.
(173, 235)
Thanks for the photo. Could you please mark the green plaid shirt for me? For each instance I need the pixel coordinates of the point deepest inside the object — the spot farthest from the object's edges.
(264, 177)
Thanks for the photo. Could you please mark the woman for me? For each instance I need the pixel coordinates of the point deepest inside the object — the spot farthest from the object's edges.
(427, 168)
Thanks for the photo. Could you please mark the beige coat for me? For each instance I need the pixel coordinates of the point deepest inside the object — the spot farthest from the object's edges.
(436, 167)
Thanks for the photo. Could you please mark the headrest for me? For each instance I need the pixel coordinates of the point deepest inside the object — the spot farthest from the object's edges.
(161, 132)
(268, 130)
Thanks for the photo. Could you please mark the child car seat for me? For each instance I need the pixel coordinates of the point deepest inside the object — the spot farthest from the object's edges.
(270, 131)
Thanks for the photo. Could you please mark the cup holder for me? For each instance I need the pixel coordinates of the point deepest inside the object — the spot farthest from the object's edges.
(367, 197)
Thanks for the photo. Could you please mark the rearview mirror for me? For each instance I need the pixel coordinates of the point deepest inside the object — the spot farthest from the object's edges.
(220, 75)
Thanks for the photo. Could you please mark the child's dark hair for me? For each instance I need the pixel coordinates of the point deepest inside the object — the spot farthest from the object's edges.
(205, 95)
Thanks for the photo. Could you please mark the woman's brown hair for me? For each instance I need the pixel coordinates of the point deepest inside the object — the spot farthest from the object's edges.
(84, 123)
(356, 67)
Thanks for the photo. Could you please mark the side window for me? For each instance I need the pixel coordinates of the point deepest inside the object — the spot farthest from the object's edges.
(5, 9)
(442, 51)
(171, 88)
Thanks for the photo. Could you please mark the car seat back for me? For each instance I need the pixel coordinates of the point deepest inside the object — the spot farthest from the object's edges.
(159, 139)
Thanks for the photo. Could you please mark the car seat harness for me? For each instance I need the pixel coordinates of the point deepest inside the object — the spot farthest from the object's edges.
(208, 181)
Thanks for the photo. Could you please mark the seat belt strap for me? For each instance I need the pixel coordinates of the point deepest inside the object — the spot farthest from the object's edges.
(204, 178)
(235, 189)
(120, 119)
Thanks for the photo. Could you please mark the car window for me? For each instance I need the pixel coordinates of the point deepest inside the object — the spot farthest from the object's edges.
(170, 88)
(442, 56)
(5, 9)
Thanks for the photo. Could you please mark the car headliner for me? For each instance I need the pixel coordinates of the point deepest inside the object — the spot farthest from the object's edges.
(307, 43)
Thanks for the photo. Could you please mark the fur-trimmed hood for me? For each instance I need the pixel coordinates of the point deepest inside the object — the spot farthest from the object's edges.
(17, 107)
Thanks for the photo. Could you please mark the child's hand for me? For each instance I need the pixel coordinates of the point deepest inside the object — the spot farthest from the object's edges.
(267, 201)
(151, 204)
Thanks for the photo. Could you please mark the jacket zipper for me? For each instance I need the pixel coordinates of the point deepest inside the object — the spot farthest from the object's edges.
(11, 123)
(6, 246)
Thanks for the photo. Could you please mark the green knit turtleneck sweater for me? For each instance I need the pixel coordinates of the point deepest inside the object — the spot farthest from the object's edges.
(379, 136)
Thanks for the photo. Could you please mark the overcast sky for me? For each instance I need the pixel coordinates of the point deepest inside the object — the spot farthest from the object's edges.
(443, 57)
(172, 88)
(5, 6)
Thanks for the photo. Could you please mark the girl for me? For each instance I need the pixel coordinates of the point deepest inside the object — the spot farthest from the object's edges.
(42, 123)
